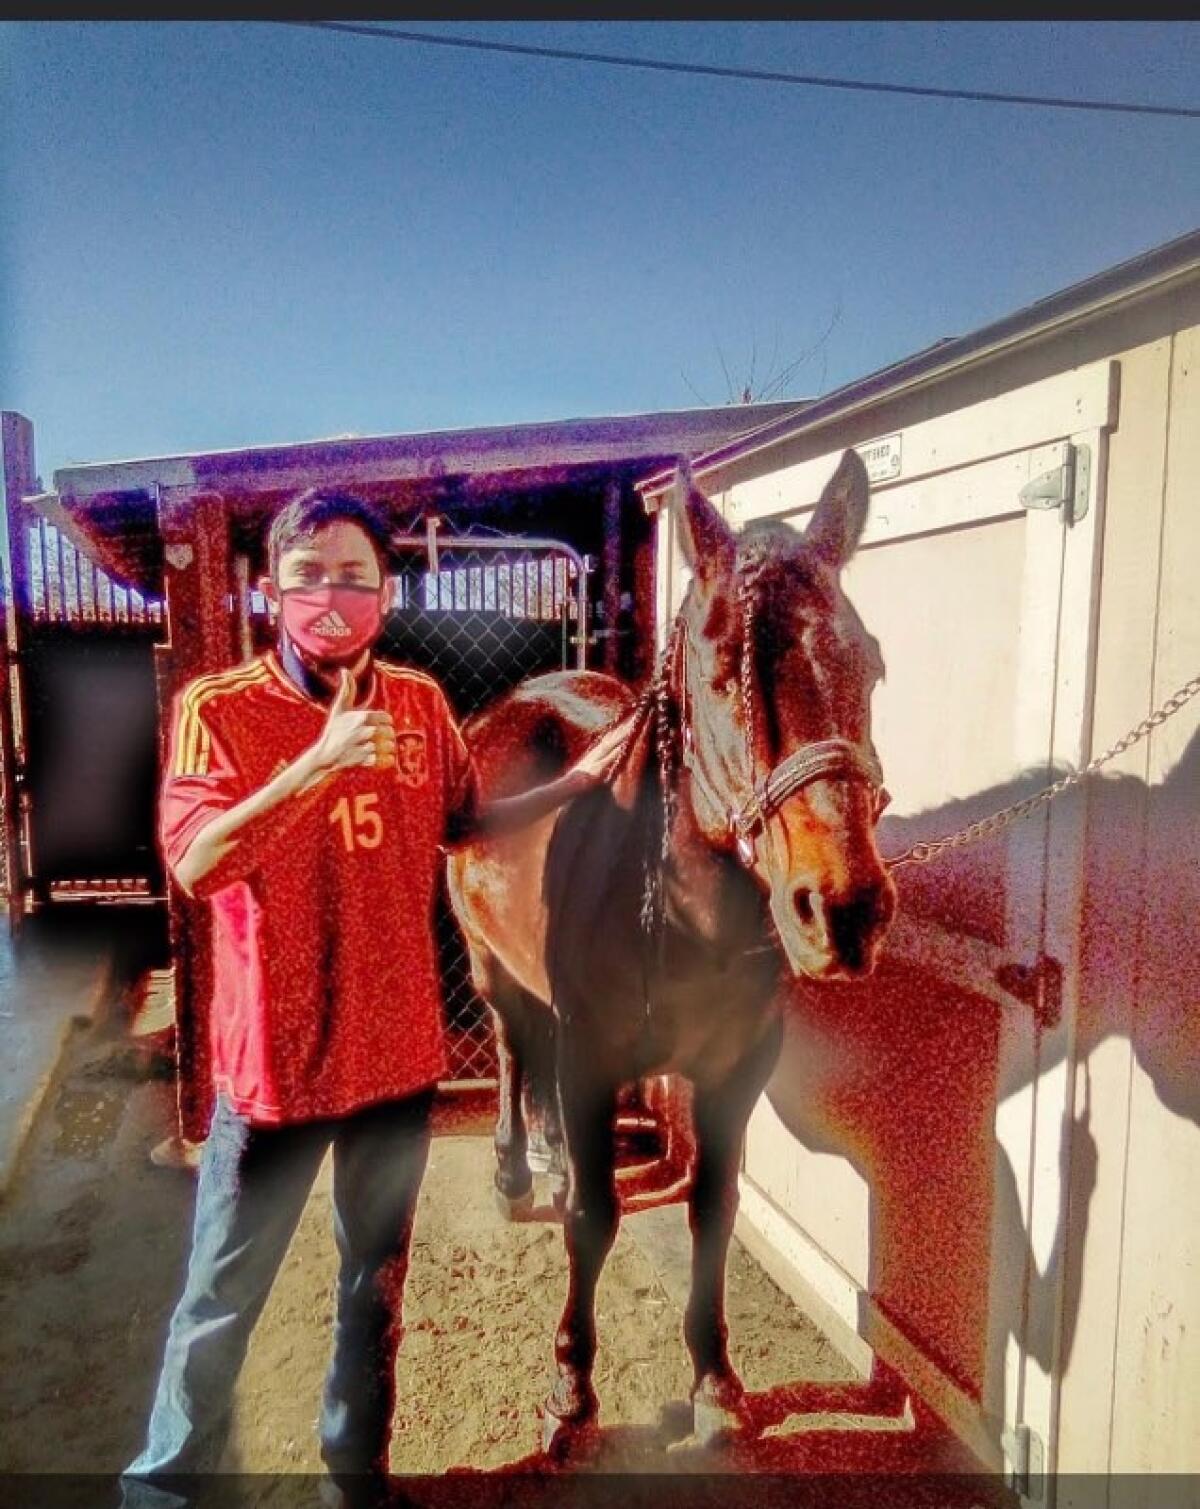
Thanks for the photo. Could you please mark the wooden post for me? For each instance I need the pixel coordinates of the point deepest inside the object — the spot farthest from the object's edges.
(640, 664)
(241, 606)
(198, 574)
(612, 574)
(17, 480)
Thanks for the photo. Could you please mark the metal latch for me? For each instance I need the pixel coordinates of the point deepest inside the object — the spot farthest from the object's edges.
(432, 525)
(1065, 486)
(1025, 1462)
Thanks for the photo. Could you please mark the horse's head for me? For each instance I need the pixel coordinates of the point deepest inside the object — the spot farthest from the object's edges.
(777, 673)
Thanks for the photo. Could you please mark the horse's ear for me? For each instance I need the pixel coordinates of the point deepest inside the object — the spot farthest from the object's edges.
(704, 537)
(837, 525)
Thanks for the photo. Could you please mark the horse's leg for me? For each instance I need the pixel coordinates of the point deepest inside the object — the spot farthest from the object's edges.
(720, 1114)
(590, 1226)
(513, 1181)
(541, 1075)
(553, 1132)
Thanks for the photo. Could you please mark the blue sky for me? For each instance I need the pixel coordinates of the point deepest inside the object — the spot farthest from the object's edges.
(226, 234)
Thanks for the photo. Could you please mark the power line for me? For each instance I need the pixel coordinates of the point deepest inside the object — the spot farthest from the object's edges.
(758, 75)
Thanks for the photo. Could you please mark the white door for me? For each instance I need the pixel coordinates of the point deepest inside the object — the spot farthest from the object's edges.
(906, 1163)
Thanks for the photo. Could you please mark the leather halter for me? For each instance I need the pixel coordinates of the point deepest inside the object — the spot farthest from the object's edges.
(834, 758)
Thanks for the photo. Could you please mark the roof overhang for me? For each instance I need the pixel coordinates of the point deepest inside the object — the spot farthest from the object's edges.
(366, 460)
(111, 509)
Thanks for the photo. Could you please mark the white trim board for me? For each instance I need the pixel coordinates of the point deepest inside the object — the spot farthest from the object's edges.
(980, 493)
(1035, 415)
(807, 1274)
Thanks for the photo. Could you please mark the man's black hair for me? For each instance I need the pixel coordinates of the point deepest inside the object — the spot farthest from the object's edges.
(315, 509)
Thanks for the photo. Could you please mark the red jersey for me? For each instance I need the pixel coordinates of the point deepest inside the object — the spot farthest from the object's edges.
(326, 993)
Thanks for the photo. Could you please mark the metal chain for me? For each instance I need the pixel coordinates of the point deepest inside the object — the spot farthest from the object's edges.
(746, 597)
(922, 853)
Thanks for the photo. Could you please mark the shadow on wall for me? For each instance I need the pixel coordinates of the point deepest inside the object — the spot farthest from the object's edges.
(898, 1075)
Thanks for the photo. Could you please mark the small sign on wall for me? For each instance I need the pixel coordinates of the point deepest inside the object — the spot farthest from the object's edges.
(881, 458)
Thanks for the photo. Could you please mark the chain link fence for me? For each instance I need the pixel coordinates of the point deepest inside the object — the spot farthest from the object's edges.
(482, 615)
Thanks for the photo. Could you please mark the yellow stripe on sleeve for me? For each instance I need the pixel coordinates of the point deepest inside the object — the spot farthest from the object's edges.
(193, 742)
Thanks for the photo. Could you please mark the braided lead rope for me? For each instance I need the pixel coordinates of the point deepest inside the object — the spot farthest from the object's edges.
(747, 582)
(654, 864)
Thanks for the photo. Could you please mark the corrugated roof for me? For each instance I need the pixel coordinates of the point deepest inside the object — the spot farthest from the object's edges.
(110, 509)
(418, 455)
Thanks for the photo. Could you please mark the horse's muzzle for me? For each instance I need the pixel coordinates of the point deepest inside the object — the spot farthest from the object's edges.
(836, 937)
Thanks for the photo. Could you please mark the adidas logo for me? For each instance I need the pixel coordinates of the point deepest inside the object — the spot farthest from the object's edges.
(331, 626)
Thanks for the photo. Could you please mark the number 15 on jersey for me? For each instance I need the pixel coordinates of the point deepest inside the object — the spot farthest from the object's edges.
(361, 824)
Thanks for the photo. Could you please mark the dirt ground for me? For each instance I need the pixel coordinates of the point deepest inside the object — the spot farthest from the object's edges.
(92, 1249)
(93, 1243)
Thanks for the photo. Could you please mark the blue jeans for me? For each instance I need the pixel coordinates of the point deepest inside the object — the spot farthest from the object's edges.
(254, 1183)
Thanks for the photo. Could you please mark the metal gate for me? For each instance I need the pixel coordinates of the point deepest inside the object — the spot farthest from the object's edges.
(83, 699)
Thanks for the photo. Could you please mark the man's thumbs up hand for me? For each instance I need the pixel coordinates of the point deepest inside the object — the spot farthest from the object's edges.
(343, 698)
(354, 738)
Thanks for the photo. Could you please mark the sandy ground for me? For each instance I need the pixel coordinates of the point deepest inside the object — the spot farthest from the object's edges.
(92, 1249)
(93, 1243)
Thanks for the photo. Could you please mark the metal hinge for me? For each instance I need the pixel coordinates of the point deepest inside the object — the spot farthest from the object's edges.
(1024, 1461)
(1065, 486)
(1038, 985)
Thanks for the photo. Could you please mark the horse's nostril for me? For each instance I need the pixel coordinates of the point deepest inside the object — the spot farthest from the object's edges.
(853, 922)
(802, 901)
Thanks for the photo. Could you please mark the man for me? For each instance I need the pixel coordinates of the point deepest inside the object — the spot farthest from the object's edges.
(307, 795)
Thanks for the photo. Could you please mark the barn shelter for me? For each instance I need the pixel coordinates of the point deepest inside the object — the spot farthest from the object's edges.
(981, 1166)
(519, 549)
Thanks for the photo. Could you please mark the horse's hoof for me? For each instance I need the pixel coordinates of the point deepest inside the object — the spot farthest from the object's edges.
(562, 1439)
(719, 1414)
(514, 1207)
(558, 1196)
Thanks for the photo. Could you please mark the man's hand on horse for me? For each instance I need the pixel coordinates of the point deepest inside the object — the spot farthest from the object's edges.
(509, 814)
(599, 761)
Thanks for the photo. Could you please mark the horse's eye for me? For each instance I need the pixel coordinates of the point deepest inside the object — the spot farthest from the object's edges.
(726, 667)
(723, 660)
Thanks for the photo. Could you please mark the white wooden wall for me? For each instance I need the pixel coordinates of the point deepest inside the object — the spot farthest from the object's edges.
(979, 1260)
(1131, 1380)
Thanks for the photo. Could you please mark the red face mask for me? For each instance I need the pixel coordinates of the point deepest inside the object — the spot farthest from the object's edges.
(332, 623)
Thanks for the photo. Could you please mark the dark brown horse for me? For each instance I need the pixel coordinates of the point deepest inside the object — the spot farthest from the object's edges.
(655, 914)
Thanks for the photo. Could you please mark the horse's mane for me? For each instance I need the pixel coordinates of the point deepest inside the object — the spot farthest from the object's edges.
(642, 785)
